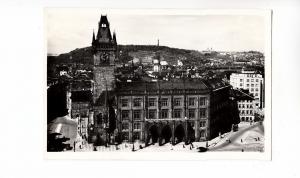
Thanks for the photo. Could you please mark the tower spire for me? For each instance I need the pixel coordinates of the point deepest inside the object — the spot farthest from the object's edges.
(114, 37)
(93, 36)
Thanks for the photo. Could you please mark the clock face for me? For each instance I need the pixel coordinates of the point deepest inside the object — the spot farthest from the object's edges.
(104, 57)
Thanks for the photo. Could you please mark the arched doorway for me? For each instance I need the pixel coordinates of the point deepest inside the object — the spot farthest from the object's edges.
(191, 133)
(166, 134)
(153, 134)
(179, 133)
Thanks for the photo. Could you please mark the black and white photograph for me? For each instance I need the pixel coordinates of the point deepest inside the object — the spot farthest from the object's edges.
(136, 81)
(135, 88)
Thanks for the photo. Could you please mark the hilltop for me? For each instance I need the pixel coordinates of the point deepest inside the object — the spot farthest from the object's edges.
(128, 52)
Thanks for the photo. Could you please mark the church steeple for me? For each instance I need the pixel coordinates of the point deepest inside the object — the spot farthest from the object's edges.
(114, 37)
(93, 40)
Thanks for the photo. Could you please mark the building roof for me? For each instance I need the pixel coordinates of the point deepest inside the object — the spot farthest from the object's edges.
(104, 98)
(240, 94)
(174, 84)
(81, 96)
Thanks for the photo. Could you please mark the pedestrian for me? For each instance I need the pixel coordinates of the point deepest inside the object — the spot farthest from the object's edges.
(241, 140)
(229, 140)
(242, 150)
(191, 147)
(183, 146)
(258, 138)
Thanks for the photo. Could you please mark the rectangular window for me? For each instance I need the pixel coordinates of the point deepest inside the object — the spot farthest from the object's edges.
(177, 113)
(137, 126)
(124, 102)
(152, 101)
(241, 80)
(125, 126)
(164, 113)
(192, 101)
(247, 84)
(152, 114)
(241, 84)
(247, 80)
(202, 112)
(202, 101)
(256, 80)
(177, 101)
(125, 115)
(137, 102)
(252, 80)
(252, 85)
(202, 124)
(164, 102)
(191, 113)
(125, 136)
(136, 135)
(256, 89)
(137, 114)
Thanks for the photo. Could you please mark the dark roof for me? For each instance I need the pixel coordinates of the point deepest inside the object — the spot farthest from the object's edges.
(81, 85)
(174, 84)
(101, 100)
(240, 94)
(81, 96)
(215, 83)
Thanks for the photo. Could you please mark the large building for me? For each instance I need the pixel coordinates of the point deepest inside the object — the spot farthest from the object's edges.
(177, 110)
(252, 81)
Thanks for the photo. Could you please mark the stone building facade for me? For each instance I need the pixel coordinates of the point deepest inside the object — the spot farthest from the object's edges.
(174, 111)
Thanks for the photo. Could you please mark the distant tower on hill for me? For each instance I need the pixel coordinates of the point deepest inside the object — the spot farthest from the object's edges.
(104, 47)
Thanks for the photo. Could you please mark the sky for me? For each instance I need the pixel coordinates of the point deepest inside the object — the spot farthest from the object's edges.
(71, 28)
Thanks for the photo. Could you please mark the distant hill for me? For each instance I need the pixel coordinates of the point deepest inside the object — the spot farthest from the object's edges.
(127, 52)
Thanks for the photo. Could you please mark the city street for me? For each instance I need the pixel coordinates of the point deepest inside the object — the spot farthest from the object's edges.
(247, 138)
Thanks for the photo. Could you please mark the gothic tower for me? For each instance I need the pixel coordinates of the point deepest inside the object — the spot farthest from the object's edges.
(104, 47)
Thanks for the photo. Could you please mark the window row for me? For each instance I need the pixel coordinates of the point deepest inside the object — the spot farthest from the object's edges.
(246, 112)
(137, 102)
(248, 80)
(164, 114)
(245, 106)
(136, 126)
